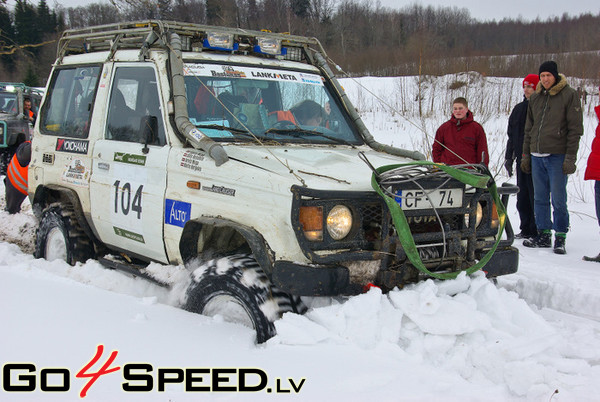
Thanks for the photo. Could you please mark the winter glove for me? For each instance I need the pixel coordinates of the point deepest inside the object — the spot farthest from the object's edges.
(508, 165)
(526, 164)
(569, 164)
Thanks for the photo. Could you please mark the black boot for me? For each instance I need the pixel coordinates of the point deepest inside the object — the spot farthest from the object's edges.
(525, 235)
(542, 240)
(593, 259)
(559, 244)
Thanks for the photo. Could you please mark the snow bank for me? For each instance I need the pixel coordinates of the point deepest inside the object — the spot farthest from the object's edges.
(466, 326)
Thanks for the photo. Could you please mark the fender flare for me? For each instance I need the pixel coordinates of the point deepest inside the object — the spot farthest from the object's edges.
(46, 195)
(261, 251)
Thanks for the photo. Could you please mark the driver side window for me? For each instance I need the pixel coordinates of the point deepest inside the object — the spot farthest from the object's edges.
(135, 112)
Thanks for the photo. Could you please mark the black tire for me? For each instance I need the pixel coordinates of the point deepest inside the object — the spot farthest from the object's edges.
(238, 281)
(59, 236)
(5, 157)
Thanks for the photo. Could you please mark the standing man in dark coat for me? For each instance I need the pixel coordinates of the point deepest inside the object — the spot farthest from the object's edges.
(552, 133)
(514, 150)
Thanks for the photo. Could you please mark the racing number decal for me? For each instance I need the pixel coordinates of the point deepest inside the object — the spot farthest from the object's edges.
(127, 203)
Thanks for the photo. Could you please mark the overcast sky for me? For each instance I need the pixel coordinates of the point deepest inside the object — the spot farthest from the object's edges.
(481, 10)
(484, 10)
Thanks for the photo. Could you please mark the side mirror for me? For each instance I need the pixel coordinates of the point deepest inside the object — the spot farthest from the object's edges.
(148, 131)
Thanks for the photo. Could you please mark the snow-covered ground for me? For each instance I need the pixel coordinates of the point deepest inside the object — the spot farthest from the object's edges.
(534, 336)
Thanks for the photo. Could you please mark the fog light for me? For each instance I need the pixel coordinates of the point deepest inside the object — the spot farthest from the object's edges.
(495, 219)
(478, 216)
(339, 222)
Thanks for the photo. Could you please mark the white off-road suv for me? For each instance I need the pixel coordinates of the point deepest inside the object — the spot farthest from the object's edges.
(237, 154)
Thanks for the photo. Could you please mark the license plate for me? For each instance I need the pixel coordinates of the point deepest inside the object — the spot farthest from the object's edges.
(441, 198)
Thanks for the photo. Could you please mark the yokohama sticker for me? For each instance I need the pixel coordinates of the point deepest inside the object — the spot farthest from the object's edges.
(72, 146)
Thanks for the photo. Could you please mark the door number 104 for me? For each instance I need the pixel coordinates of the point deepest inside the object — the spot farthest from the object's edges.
(127, 203)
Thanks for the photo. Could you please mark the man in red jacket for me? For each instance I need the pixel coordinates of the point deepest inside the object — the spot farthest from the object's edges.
(460, 140)
(592, 172)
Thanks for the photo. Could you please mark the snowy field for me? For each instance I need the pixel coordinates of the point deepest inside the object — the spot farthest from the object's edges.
(535, 336)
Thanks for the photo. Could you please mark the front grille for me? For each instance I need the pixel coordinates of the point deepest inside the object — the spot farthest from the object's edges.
(371, 216)
(374, 235)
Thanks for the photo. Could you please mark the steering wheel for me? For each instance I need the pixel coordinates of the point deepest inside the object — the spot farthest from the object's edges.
(284, 124)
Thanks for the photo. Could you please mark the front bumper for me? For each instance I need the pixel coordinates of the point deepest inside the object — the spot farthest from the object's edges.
(333, 280)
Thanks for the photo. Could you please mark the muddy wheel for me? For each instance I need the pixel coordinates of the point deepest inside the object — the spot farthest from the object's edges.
(59, 236)
(236, 288)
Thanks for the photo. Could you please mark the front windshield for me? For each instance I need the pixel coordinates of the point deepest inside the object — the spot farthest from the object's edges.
(242, 103)
(8, 102)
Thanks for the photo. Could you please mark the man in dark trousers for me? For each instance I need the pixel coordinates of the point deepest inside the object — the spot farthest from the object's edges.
(514, 151)
(553, 129)
(15, 182)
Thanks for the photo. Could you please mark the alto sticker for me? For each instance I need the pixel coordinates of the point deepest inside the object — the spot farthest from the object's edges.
(130, 158)
(76, 173)
(177, 213)
(72, 146)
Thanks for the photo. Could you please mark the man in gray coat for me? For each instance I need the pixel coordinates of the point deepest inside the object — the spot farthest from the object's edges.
(553, 129)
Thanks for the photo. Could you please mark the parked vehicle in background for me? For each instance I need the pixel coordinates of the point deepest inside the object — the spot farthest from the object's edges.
(15, 127)
(238, 154)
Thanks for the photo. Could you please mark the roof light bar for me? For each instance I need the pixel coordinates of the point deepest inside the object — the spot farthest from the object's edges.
(269, 46)
(220, 41)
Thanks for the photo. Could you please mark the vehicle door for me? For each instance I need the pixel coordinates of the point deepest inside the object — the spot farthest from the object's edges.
(129, 172)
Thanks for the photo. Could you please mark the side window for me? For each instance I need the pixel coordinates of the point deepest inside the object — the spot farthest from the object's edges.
(68, 107)
(135, 112)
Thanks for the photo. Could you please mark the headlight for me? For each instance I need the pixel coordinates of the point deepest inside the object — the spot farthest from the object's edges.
(339, 222)
(478, 216)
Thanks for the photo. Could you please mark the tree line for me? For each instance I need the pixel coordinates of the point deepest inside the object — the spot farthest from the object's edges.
(363, 39)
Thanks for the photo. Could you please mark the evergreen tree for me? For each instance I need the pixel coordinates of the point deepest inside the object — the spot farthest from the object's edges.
(7, 37)
(31, 78)
(301, 7)
(26, 24)
(213, 12)
(45, 23)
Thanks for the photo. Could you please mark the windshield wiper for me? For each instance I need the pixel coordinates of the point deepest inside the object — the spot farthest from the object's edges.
(299, 132)
(222, 128)
(242, 132)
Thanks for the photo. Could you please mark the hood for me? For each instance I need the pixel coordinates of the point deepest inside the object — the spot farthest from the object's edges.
(7, 116)
(468, 119)
(555, 89)
(316, 167)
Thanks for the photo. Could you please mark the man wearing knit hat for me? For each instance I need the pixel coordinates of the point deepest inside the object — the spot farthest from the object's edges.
(553, 129)
(514, 150)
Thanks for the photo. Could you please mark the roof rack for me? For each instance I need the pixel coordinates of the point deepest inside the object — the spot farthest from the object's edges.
(24, 88)
(152, 33)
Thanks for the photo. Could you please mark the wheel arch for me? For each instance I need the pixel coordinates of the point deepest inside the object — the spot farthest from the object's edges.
(46, 195)
(218, 237)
